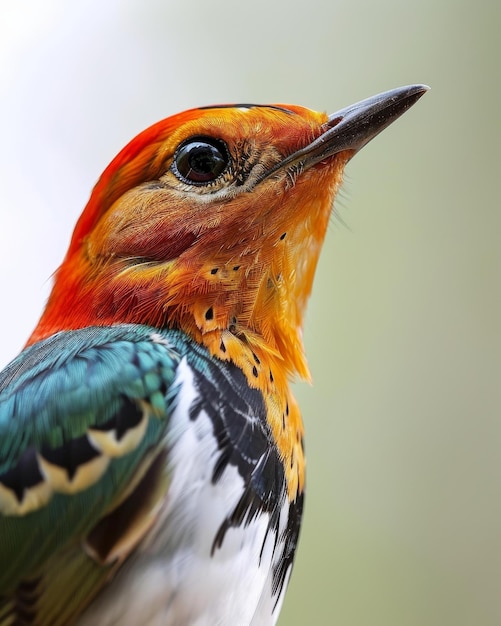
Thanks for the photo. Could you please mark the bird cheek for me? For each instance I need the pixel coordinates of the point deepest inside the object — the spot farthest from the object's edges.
(148, 233)
(161, 246)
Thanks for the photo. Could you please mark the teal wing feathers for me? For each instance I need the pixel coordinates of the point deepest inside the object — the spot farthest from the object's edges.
(81, 421)
(96, 426)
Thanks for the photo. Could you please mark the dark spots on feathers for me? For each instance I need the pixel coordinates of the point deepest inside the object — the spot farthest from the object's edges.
(163, 388)
(24, 602)
(127, 417)
(24, 475)
(28, 588)
(71, 455)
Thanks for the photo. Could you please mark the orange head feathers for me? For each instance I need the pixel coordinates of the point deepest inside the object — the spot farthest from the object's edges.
(212, 221)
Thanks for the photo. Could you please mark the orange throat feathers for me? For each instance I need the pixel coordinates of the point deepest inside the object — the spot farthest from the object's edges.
(211, 222)
(231, 263)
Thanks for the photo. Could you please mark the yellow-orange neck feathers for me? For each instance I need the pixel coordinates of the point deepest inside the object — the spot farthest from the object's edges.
(212, 222)
(230, 263)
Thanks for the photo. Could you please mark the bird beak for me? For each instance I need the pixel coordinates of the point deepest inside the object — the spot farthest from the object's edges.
(353, 127)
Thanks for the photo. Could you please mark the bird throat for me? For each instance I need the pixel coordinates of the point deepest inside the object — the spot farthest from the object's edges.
(250, 312)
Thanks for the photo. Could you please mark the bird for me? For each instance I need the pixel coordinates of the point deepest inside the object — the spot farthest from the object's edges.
(152, 467)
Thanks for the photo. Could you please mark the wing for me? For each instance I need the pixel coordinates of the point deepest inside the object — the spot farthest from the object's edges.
(82, 467)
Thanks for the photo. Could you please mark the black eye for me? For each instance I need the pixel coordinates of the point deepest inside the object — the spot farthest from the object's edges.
(200, 160)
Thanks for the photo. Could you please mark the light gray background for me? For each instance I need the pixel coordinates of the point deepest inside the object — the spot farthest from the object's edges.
(403, 512)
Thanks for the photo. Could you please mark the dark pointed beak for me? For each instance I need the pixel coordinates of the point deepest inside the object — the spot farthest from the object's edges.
(354, 126)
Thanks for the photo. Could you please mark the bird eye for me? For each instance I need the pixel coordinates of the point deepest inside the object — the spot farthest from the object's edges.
(200, 160)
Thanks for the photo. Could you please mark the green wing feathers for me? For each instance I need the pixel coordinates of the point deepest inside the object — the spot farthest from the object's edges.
(82, 464)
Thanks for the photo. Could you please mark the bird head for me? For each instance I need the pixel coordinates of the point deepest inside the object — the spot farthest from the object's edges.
(212, 221)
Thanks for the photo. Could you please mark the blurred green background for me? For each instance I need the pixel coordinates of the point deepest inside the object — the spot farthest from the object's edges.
(403, 509)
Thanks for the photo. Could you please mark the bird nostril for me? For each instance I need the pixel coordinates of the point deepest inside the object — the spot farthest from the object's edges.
(333, 122)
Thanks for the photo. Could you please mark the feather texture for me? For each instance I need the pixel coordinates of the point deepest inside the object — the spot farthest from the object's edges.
(151, 452)
(129, 433)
